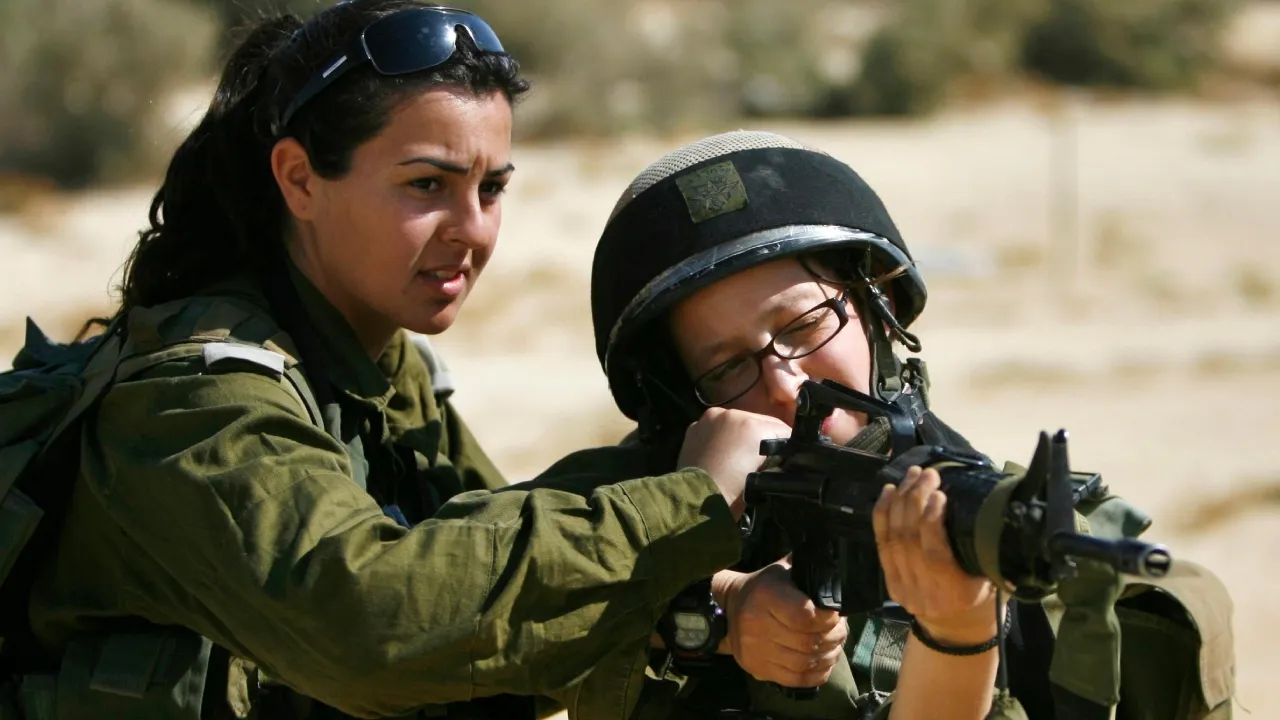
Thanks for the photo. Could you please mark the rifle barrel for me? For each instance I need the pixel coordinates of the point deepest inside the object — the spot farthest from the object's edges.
(1132, 557)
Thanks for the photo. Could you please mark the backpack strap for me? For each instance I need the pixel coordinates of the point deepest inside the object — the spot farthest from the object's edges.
(98, 376)
(877, 656)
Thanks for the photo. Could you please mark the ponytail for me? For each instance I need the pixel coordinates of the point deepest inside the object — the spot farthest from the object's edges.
(218, 209)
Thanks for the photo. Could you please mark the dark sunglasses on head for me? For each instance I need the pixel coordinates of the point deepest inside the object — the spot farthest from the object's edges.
(402, 42)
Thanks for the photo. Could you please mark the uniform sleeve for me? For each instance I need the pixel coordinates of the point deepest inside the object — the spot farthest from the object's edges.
(249, 530)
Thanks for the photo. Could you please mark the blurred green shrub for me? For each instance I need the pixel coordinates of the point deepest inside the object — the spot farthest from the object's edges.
(602, 66)
(780, 51)
(85, 84)
(925, 46)
(1155, 44)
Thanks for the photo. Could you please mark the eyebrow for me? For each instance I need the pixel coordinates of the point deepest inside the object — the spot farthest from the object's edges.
(771, 312)
(454, 168)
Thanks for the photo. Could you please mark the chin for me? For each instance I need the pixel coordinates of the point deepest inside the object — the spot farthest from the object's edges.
(427, 322)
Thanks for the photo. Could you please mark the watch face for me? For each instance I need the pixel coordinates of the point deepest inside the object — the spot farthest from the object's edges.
(692, 630)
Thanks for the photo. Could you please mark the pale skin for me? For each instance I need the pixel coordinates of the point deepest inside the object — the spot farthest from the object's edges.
(776, 633)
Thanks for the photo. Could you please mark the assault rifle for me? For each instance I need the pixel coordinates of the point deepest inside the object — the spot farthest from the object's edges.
(1019, 532)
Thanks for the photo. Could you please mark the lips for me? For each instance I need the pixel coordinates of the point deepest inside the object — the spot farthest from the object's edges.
(448, 281)
(442, 275)
(446, 272)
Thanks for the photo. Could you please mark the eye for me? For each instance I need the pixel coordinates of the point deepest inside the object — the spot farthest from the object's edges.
(493, 188)
(724, 370)
(426, 184)
(803, 325)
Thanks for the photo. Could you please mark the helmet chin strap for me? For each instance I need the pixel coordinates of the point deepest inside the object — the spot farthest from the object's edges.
(652, 421)
(903, 383)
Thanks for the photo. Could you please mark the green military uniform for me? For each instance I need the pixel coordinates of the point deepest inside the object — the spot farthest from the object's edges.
(731, 202)
(209, 500)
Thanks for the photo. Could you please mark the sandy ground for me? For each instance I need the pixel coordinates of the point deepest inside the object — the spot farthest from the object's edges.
(1144, 317)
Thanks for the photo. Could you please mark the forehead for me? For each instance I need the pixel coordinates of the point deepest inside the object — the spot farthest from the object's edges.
(451, 121)
(739, 307)
(753, 290)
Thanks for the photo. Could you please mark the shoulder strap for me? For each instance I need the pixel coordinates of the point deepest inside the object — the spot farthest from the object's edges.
(441, 379)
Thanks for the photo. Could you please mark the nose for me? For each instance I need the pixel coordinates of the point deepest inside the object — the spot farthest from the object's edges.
(782, 380)
(469, 224)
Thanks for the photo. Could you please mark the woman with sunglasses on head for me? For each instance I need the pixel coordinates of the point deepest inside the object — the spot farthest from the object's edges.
(731, 271)
(276, 510)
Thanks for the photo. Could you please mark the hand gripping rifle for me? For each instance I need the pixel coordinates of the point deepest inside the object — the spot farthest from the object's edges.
(1019, 532)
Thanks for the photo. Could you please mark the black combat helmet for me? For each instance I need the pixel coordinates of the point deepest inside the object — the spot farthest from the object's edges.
(716, 207)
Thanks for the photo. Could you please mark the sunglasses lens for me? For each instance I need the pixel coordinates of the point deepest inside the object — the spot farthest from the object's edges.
(404, 43)
(415, 40)
(486, 39)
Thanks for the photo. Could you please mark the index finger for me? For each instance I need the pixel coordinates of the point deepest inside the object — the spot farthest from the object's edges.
(933, 532)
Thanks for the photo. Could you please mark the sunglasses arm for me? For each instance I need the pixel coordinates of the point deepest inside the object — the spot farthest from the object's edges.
(355, 55)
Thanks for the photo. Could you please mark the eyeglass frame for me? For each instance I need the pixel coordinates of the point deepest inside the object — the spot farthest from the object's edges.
(837, 303)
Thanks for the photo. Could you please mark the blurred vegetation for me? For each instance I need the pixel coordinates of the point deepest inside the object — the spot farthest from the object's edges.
(84, 93)
(911, 63)
(84, 83)
(1157, 44)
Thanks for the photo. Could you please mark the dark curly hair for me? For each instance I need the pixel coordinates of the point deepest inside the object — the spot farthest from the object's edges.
(219, 211)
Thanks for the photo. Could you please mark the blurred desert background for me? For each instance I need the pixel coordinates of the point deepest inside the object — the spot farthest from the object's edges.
(1095, 205)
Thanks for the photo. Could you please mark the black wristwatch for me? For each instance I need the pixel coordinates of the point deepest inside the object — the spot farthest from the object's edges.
(693, 625)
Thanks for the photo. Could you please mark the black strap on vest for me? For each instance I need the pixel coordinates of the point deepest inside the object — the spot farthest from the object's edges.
(1029, 650)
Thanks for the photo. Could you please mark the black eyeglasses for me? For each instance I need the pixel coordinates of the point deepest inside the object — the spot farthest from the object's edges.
(402, 42)
(803, 336)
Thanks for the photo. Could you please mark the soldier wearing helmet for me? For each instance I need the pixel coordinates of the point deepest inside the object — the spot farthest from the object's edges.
(730, 271)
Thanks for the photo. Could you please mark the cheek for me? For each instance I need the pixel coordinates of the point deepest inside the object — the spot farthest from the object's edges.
(391, 238)
(846, 359)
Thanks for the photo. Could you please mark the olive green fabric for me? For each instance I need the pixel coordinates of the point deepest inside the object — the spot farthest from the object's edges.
(835, 700)
(209, 500)
(1086, 658)
(1178, 658)
(152, 674)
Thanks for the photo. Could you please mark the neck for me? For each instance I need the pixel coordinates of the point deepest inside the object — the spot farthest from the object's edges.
(372, 330)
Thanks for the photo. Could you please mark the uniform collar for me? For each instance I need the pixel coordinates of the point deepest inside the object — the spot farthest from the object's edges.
(350, 368)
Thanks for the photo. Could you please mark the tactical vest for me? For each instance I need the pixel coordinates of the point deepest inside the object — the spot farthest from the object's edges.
(142, 672)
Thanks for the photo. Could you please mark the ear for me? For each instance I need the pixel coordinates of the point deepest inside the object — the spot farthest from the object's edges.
(296, 179)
